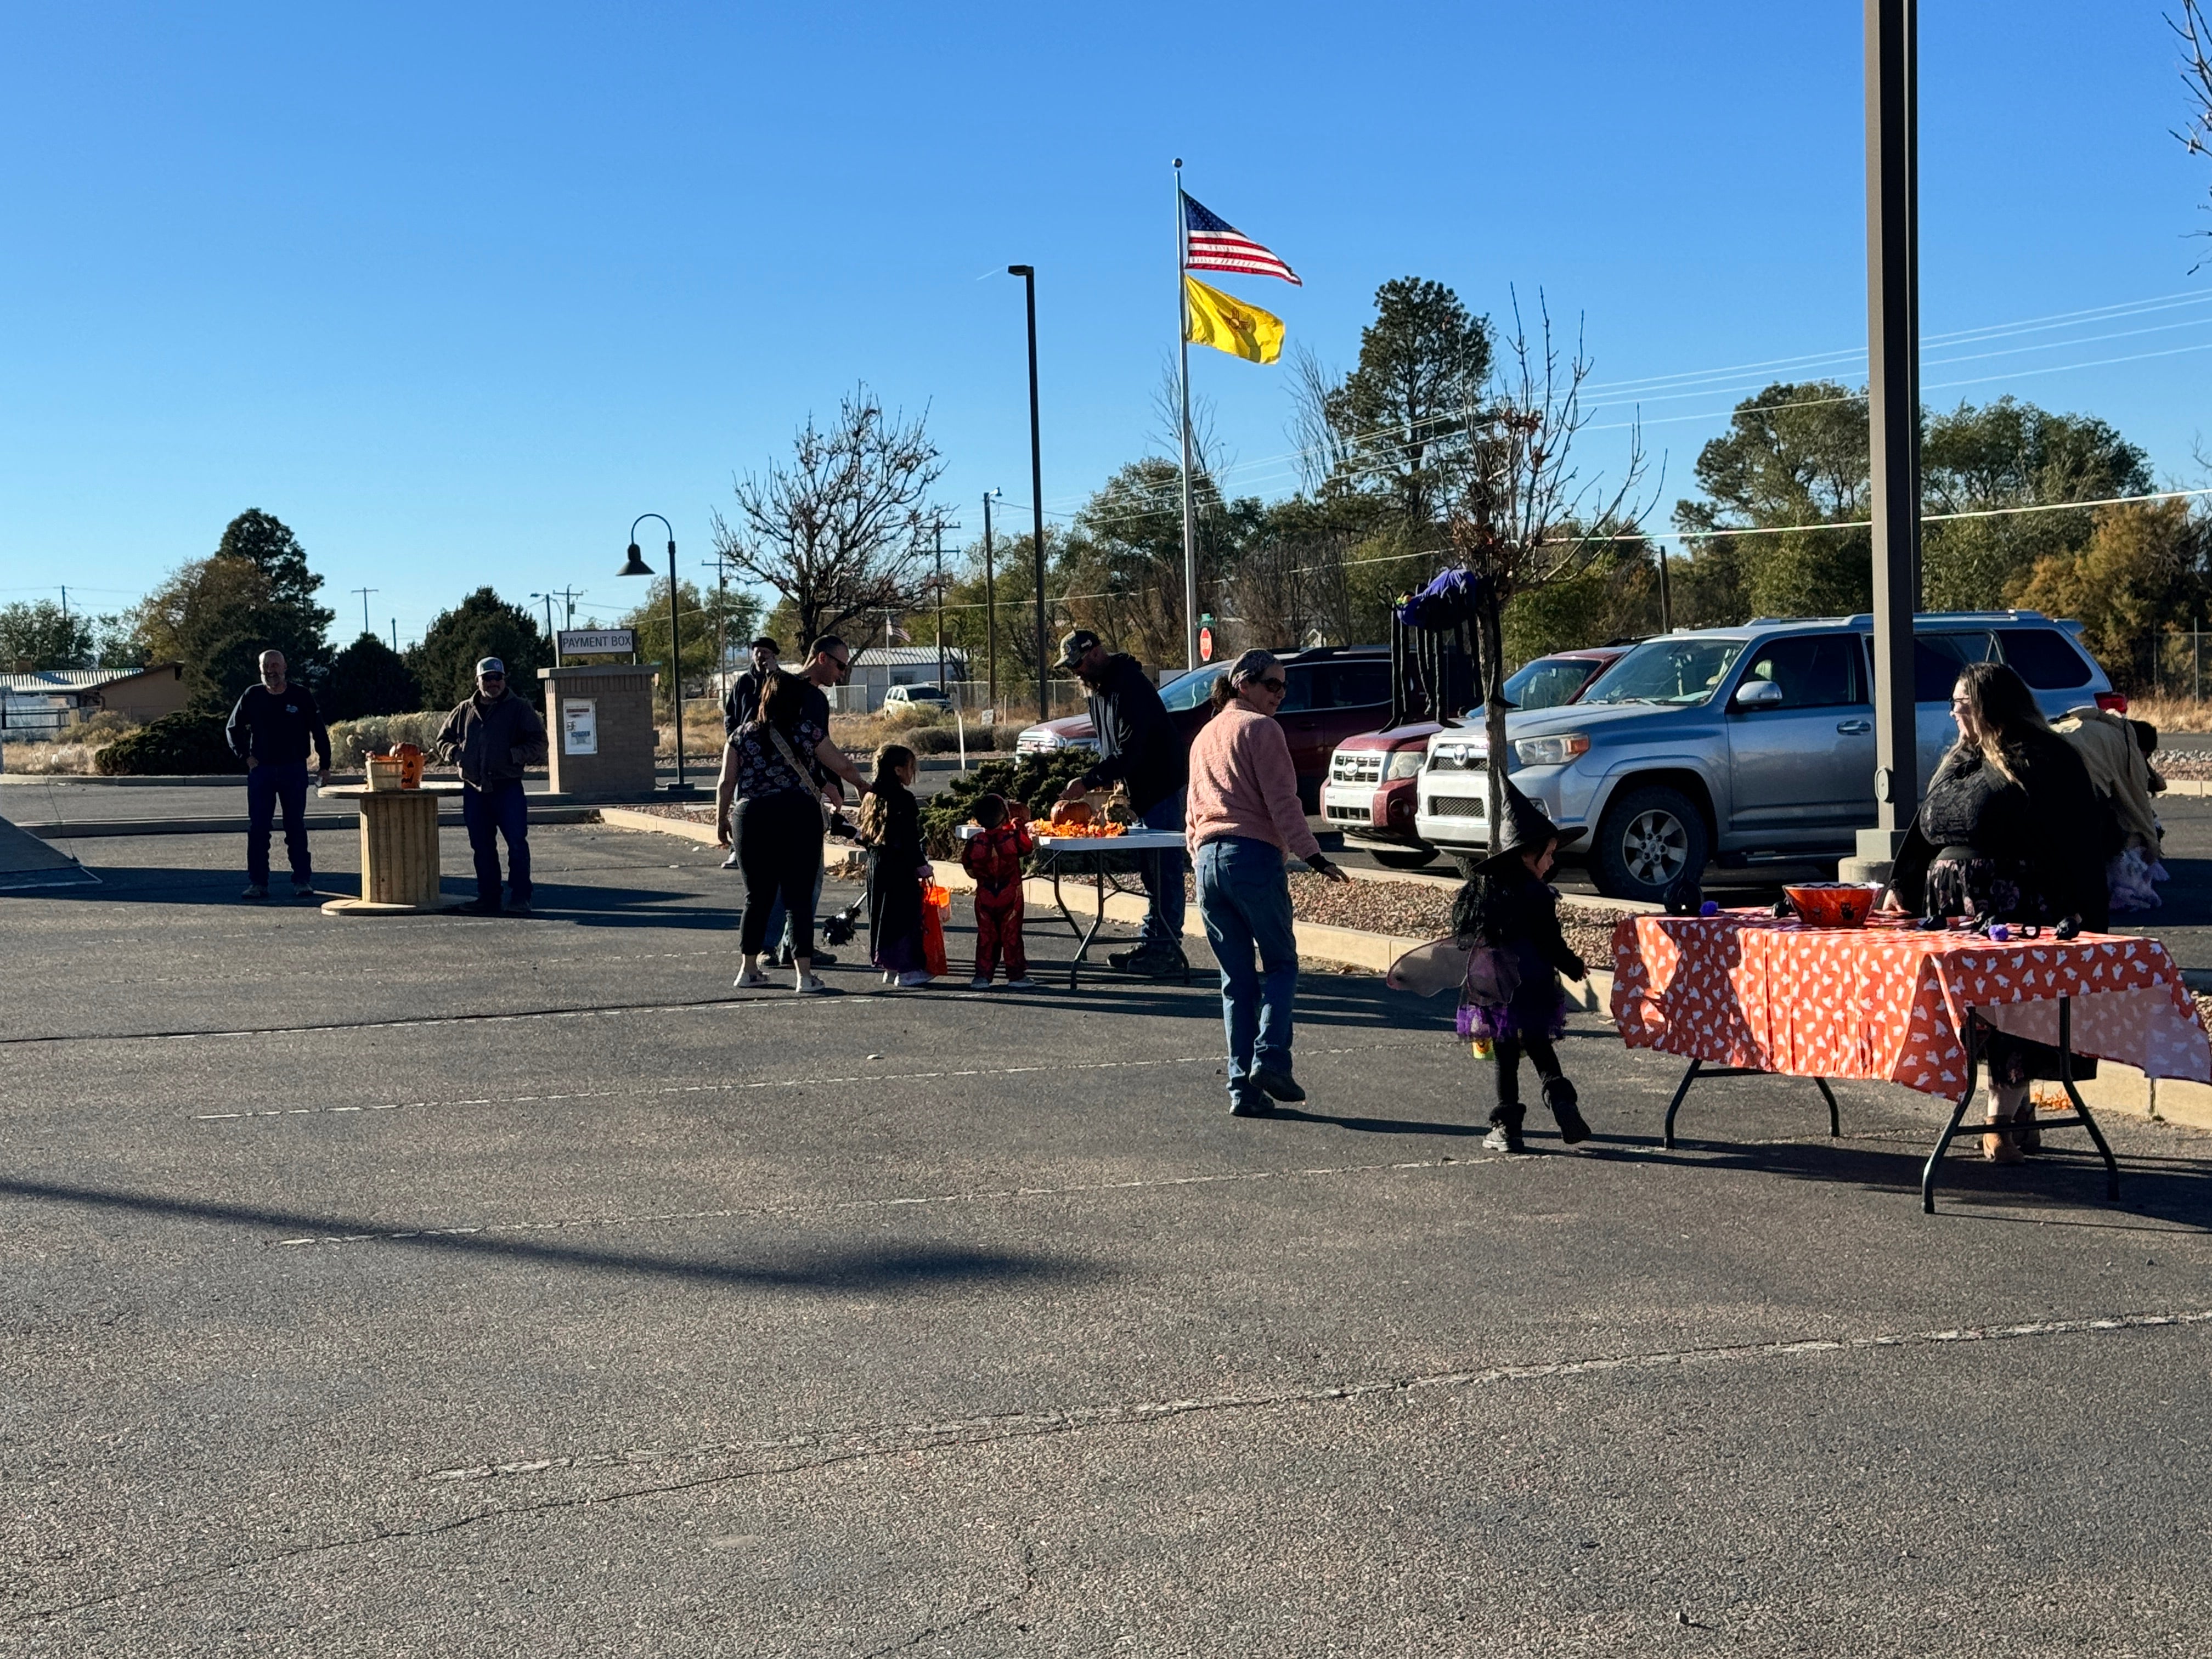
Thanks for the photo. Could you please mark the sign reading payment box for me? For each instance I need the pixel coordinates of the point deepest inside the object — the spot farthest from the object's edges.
(596, 641)
(580, 726)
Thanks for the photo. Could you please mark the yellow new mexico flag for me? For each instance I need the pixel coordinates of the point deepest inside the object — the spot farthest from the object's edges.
(1231, 326)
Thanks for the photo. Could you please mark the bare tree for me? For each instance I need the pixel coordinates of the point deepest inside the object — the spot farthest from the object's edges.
(2195, 34)
(1324, 449)
(843, 531)
(1525, 516)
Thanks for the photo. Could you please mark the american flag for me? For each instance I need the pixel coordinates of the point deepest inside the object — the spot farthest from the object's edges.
(1217, 245)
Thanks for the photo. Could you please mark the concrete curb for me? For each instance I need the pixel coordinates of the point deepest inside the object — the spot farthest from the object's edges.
(95, 829)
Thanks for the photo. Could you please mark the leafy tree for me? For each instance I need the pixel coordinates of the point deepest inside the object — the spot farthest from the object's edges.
(1617, 597)
(1403, 422)
(840, 532)
(2012, 454)
(2139, 574)
(217, 615)
(1796, 454)
(41, 634)
(1121, 565)
(706, 615)
(481, 625)
(369, 677)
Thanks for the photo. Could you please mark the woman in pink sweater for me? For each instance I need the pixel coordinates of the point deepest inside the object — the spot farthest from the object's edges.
(1244, 820)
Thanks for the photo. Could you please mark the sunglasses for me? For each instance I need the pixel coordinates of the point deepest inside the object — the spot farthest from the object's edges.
(1277, 686)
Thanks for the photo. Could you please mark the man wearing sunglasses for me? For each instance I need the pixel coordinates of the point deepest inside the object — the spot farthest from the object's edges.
(1141, 749)
(491, 738)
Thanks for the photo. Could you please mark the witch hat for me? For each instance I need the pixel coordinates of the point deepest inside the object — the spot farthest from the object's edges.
(1525, 827)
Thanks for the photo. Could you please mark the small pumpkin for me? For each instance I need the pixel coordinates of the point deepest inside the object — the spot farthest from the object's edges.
(1071, 812)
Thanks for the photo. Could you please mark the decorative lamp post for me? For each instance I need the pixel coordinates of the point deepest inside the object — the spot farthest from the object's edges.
(636, 566)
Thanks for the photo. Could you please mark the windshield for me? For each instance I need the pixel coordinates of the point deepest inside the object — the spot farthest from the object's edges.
(1549, 681)
(1189, 690)
(1668, 670)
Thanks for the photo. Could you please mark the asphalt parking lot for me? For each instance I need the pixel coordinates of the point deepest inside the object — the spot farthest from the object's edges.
(498, 1286)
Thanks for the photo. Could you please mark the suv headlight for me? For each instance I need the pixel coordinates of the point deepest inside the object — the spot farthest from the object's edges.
(1405, 763)
(1550, 751)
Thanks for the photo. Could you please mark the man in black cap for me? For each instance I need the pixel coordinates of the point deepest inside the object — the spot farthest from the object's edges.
(1141, 748)
(743, 701)
(492, 737)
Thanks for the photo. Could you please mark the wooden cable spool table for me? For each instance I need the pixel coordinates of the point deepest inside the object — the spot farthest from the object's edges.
(398, 849)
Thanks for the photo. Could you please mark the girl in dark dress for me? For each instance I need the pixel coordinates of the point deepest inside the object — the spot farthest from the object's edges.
(2012, 830)
(891, 825)
(1507, 918)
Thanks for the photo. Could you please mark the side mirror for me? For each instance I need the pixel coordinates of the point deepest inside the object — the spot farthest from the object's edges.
(1759, 693)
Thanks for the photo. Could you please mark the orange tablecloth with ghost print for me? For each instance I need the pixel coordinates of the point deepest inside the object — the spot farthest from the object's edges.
(1890, 1003)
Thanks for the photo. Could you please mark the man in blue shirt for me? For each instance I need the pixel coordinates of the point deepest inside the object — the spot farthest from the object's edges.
(270, 729)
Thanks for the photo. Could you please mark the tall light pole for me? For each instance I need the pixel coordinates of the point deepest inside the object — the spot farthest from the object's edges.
(636, 566)
(1028, 274)
(990, 606)
(1893, 191)
(940, 605)
(551, 633)
(366, 626)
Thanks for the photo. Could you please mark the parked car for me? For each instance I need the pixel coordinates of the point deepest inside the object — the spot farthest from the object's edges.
(1741, 745)
(1372, 787)
(916, 696)
(1333, 692)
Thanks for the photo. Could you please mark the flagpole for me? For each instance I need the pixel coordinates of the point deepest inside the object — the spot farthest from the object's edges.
(1182, 347)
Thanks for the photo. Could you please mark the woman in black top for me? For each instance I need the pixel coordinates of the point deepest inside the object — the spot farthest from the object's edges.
(2011, 831)
(778, 820)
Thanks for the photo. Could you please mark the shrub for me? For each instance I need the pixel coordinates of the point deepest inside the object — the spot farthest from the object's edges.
(176, 743)
(353, 741)
(1034, 782)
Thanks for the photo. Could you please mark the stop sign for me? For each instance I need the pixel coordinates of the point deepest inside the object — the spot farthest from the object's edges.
(1206, 645)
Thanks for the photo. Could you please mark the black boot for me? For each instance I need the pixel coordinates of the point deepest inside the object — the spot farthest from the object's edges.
(1504, 1134)
(1560, 1096)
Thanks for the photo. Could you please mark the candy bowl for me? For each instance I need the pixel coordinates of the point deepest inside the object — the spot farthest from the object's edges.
(1831, 904)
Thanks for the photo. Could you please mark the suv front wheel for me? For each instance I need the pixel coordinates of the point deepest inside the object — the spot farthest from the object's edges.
(1649, 839)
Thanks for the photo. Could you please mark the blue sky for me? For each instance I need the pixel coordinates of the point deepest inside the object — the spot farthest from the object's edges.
(457, 291)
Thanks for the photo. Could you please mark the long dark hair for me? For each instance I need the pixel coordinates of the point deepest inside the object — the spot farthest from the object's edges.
(783, 704)
(2004, 712)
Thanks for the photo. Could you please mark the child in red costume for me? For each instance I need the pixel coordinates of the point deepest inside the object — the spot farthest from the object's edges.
(994, 859)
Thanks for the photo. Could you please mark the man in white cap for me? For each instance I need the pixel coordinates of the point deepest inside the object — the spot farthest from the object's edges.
(491, 738)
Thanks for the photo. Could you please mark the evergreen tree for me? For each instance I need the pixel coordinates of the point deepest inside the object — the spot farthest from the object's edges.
(369, 677)
(481, 625)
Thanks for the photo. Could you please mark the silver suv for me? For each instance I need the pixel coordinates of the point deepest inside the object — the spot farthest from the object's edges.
(1739, 744)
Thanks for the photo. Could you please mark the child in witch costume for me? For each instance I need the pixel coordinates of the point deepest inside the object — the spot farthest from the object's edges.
(1508, 919)
(890, 824)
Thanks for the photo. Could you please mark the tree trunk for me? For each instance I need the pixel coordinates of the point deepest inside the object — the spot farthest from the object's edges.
(1491, 666)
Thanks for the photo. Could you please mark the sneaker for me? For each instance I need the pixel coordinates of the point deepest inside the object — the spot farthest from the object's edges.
(1504, 1134)
(809, 986)
(752, 980)
(910, 981)
(1120, 960)
(1250, 1106)
(1278, 1085)
(1024, 983)
(303, 890)
(731, 862)
(518, 908)
(980, 984)
(255, 889)
(822, 958)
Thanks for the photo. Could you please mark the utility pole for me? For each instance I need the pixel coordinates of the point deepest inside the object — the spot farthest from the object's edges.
(366, 627)
(1893, 207)
(940, 605)
(721, 621)
(990, 607)
(1028, 274)
(395, 634)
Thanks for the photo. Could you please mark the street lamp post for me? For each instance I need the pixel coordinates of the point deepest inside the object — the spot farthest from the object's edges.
(636, 566)
(1028, 274)
(1893, 396)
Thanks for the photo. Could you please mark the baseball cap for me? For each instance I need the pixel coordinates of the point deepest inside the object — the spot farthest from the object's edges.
(489, 665)
(1072, 645)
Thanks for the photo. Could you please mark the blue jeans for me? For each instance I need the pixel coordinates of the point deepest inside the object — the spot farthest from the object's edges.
(1163, 879)
(265, 786)
(1244, 899)
(489, 813)
(779, 918)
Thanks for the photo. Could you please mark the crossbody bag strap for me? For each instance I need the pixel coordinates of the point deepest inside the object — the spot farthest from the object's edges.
(798, 768)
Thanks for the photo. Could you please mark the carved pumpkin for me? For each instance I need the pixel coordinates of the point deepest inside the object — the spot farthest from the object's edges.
(1071, 811)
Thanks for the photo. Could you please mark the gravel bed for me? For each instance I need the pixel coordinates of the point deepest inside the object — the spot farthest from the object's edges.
(699, 811)
(1419, 910)
(2182, 764)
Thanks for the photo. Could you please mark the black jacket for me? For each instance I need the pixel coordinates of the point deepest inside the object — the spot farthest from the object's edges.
(1507, 908)
(2050, 833)
(743, 702)
(1138, 744)
(493, 742)
(275, 727)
